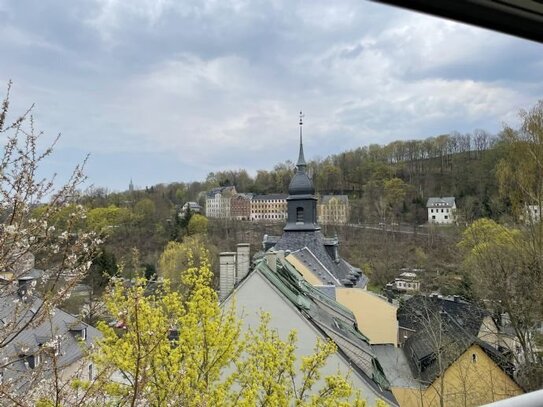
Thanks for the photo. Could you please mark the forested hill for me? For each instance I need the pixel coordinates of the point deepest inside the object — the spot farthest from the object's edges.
(390, 182)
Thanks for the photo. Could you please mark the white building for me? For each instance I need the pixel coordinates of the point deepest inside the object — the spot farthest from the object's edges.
(533, 213)
(218, 202)
(441, 210)
(269, 208)
(407, 281)
(277, 288)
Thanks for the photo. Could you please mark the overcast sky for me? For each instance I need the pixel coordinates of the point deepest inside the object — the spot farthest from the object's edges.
(169, 90)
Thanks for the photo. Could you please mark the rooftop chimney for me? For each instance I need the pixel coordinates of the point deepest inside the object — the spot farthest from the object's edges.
(243, 261)
(227, 274)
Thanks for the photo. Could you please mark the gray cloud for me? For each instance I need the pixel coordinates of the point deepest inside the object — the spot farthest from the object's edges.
(196, 86)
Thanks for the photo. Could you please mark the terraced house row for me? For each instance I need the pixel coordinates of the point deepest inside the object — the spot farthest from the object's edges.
(227, 203)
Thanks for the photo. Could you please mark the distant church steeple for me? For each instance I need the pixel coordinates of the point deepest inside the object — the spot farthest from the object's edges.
(131, 186)
(301, 202)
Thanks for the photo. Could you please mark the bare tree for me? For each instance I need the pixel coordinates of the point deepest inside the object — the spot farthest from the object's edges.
(40, 226)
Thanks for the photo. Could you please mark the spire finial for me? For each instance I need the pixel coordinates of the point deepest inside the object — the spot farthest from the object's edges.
(301, 159)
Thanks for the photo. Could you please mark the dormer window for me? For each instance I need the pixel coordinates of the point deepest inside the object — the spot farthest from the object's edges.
(79, 331)
(33, 361)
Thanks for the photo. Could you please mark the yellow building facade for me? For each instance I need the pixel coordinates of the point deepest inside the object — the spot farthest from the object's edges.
(472, 380)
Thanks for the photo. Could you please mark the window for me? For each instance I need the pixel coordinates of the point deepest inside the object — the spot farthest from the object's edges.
(299, 215)
(473, 358)
(434, 216)
(446, 217)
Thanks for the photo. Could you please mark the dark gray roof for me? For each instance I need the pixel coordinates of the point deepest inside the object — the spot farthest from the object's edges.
(39, 338)
(243, 195)
(301, 184)
(445, 326)
(315, 242)
(395, 366)
(465, 314)
(307, 258)
(331, 318)
(220, 190)
(269, 197)
(445, 202)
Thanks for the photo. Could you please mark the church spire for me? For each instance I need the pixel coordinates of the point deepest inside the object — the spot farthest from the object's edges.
(301, 158)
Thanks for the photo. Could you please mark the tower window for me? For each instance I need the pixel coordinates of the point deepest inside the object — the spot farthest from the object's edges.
(299, 215)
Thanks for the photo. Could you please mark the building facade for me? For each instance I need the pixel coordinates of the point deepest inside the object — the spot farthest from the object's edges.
(441, 210)
(240, 206)
(269, 208)
(218, 202)
(333, 210)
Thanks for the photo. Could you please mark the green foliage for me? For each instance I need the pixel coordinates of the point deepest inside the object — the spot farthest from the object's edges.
(103, 220)
(197, 225)
(186, 350)
(507, 276)
(177, 256)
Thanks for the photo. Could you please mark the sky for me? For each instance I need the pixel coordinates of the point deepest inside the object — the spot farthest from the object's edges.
(162, 91)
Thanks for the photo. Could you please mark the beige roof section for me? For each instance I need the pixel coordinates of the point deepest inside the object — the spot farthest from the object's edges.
(308, 275)
(375, 316)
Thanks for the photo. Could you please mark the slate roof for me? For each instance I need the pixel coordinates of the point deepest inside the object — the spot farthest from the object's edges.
(467, 315)
(301, 184)
(268, 197)
(308, 259)
(316, 243)
(396, 366)
(334, 320)
(445, 324)
(221, 190)
(445, 202)
(61, 327)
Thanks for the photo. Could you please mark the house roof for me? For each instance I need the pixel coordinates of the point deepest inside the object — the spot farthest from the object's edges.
(441, 324)
(243, 195)
(332, 319)
(60, 327)
(221, 190)
(268, 197)
(468, 316)
(312, 263)
(327, 198)
(316, 243)
(445, 202)
(396, 366)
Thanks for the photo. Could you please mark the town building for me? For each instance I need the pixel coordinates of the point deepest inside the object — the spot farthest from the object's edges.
(407, 282)
(275, 287)
(240, 206)
(218, 202)
(193, 206)
(449, 355)
(44, 347)
(333, 210)
(269, 208)
(441, 210)
(302, 231)
(532, 214)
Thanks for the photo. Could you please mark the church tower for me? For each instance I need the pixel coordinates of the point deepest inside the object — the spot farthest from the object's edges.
(301, 202)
